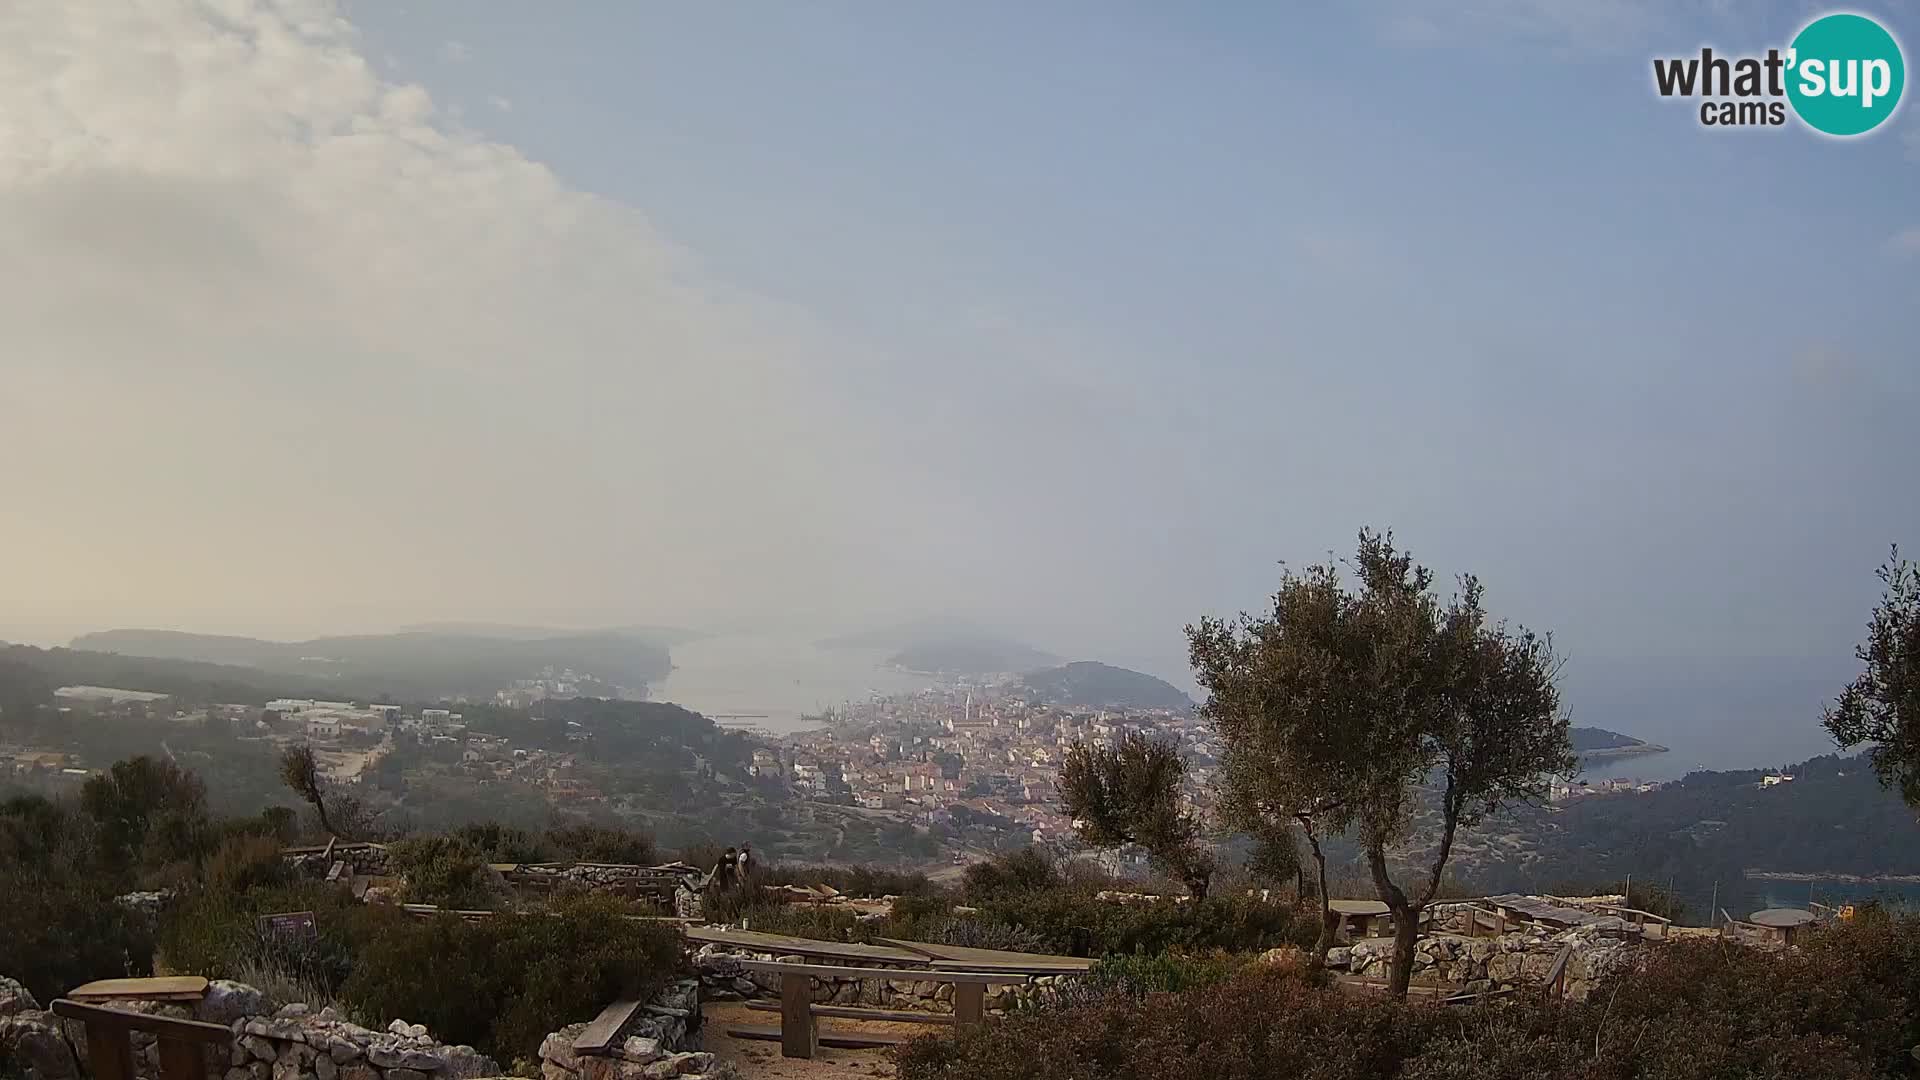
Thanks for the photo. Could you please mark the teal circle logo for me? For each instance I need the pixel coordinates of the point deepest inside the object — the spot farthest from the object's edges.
(1845, 74)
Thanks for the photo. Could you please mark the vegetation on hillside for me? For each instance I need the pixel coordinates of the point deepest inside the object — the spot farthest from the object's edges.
(1090, 684)
(1846, 1007)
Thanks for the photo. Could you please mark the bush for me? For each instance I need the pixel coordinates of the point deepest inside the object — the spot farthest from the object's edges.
(245, 862)
(59, 924)
(443, 870)
(217, 934)
(604, 843)
(1235, 923)
(1839, 1009)
(517, 975)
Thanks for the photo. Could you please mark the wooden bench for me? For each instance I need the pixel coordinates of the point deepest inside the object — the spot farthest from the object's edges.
(799, 1032)
(182, 1043)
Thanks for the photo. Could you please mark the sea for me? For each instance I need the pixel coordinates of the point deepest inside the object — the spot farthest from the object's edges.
(771, 681)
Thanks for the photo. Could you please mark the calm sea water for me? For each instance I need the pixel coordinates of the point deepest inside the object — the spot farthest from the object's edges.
(776, 680)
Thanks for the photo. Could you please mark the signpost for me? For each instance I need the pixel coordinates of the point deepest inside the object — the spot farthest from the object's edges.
(290, 926)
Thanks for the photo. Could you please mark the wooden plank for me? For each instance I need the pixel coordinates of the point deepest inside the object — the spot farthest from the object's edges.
(164, 1026)
(838, 1040)
(784, 943)
(109, 1051)
(605, 1028)
(799, 1034)
(167, 986)
(828, 971)
(182, 1060)
(969, 959)
(854, 1012)
(969, 1004)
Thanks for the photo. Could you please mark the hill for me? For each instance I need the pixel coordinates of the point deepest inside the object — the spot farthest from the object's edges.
(416, 665)
(1093, 684)
(946, 646)
(28, 675)
(1832, 819)
(1599, 742)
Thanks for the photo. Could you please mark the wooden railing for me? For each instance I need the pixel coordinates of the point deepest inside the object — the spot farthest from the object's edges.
(182, 1043)
(799, 1034)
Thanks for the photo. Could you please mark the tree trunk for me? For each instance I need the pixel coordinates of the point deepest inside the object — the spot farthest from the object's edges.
(1406, 922)
(320, 807)
(1406, 935)
(1328, 922)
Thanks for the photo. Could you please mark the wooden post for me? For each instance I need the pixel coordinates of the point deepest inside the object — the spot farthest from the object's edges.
(969, 1003)
(799, 1036)
(181, 1060)
(110, 1051)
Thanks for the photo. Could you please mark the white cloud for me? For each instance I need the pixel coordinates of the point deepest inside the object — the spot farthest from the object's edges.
(456, 52)
(500, 103)
(282, 339)
(1905, 242)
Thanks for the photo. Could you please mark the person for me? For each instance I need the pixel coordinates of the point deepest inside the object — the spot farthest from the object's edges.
(723, 875)
(746, 860)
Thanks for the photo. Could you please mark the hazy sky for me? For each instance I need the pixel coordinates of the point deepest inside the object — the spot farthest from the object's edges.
(1075, 317)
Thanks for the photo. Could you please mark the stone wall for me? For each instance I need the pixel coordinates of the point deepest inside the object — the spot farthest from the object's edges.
(1520, 959)
(723, 979)
(662, 1040)
(300, 1043)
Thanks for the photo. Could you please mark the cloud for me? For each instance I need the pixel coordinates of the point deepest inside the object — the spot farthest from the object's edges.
(456, 52)
(500, 103)
(283, 338)
(1905, 242)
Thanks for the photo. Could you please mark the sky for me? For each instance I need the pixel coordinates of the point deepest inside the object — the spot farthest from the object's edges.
(1076, 319)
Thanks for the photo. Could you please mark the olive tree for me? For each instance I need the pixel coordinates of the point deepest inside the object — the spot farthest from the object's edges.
(1353, 708)
(1882, 706)
(1131, 794)
(301, 773)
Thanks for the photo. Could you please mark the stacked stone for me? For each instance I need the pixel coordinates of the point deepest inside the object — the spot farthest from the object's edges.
(662, 1041)
(31, 1041)
(1520, 959)
(723, 979)
(297, 1043)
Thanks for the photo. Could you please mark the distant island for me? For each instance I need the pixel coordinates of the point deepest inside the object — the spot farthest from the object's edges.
(1596, 742)
(1091, 684)
(415, 665)
(946, 646)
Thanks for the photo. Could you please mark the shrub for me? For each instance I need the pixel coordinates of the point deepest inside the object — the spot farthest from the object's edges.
(217, 934)
(245, 862)
(1836, 1010)
(1023, 871)
(444, 870)
(1237, 923)
(59, 924)
(518, 975)
(588, 842)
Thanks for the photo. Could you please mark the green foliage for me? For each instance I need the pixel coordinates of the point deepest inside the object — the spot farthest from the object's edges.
(1020, 871)
(59, 924)
(1170, 972)
(443, 870)
(1337, 703)
(148, 812)
(519, 975)
(589, 842)
(1881, 707)
(1131, 794)
(1845, 1007)
(245, 862)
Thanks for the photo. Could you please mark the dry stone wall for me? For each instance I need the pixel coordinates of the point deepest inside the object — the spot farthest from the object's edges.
(723, 979)
(1519, 959)
(662, 1040)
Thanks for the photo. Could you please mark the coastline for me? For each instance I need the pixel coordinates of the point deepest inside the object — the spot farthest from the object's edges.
(1623, 751)
(1845, 879)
